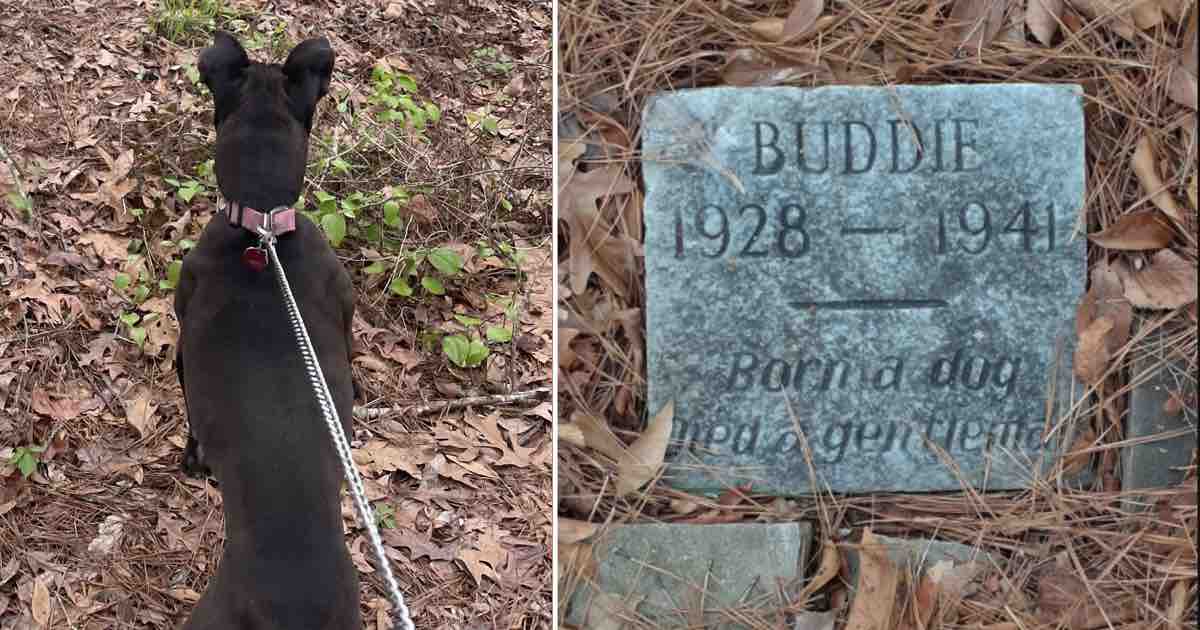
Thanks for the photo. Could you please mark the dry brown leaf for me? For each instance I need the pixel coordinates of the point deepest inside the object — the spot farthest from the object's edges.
(569, 432)
(770, 29)
(597, 436)
(574, 531)
(41, 603)
(139, 412)
(1181, 87)
(1147, 14)
(831, 561)
(1166, 281)
(1145, 166)
(640, 463)
(1149, 229)
(1106, 298)
(1114, 13)
(576, 559)
(1091, 355)
(802, 18)
(587, 231)
(875, 593)
(1075, 460)
(748, 67)
(1063, 598)
(1042, 19)
(924, 602)
(974, 23)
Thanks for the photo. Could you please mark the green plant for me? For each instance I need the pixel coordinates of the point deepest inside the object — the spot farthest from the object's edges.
(464, 352)
(385, 516)
(492, 61)
(428, 266)
(395, 94)
(187, 189)
(188, 21)
(26, 458)
(482, 119)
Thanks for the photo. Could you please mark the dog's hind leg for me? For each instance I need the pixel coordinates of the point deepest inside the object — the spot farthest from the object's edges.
(193, 463)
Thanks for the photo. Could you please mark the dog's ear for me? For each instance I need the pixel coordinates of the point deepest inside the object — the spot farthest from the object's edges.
(222, 66)
(308, 69)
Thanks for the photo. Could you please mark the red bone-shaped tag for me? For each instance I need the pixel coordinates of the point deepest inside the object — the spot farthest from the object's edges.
(255, 258)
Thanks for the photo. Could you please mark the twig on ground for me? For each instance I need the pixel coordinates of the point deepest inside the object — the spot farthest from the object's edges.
(446, 405)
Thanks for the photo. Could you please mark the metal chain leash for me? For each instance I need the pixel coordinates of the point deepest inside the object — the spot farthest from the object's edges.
(400, 614)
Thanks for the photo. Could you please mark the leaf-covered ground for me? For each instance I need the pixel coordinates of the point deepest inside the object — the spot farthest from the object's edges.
(1096, 557)
(429, 165)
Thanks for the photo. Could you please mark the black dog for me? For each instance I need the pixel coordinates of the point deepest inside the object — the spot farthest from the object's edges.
(253, 419)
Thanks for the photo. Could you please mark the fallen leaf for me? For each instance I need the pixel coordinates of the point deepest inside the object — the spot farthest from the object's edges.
(1106, 298)
(573, 531)
(1075, 460)
(924, 600)
(1091, 355)
(185, 595)
(485, 557)
(1063, 599)
(1148, 229)
(1042, 18)
(749, 67)
(831, 561)
(1181, 87)
(41, 602)
(1145, 166)
(770, 29)
(109, 536)
(139, 412)
(1167, 281)
(1115, 15)
(597, 436)
(802, 18)
(974, 23)
(641, 461)
(875, 593)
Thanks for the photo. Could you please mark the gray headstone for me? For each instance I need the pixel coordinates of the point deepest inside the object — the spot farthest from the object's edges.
(1159, 463)
(657, 574)
(805, 269)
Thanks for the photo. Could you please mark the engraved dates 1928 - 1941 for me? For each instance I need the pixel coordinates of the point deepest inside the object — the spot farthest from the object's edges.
(860, 279)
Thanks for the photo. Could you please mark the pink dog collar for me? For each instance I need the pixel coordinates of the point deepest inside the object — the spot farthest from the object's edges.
(282, 219)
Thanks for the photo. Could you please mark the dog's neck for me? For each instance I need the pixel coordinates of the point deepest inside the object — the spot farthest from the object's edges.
(277, 221)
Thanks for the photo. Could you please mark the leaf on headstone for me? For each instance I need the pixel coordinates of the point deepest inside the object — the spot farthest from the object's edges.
(974, 23)
(641, 461)
(1091, 355)
(1149, 229)
(1042, 17)
(1166, 281)
(1145, 166)
(875, 592)
(139, 412)
(802, 18)
(574, 531)
(40, 603)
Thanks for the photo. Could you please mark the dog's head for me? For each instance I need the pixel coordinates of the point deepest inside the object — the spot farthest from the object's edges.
(264, 113)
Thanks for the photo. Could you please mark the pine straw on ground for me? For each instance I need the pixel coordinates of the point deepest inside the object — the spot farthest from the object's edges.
(1124, 566)
(97, 108)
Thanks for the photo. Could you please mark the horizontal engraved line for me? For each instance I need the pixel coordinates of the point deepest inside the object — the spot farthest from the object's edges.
(871, 305)
(893, 229)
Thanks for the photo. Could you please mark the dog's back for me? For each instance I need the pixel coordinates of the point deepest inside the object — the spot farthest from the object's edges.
(253, 418)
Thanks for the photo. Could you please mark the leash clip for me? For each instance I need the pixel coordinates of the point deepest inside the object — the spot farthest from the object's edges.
(257, 258)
